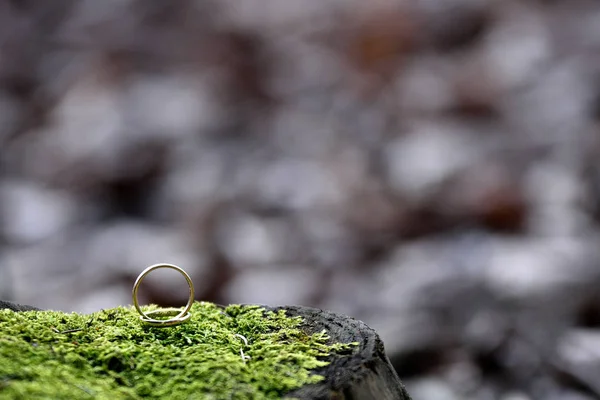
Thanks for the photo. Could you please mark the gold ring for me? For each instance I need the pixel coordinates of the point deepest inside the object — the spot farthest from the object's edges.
(179, 315)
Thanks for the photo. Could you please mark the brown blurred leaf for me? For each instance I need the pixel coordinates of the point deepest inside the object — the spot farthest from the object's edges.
(382, 41)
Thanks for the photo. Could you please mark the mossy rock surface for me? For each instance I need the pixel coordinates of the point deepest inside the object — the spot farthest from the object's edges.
(294, 352)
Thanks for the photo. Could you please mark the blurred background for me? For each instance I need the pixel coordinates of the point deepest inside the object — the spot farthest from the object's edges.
(431, 167)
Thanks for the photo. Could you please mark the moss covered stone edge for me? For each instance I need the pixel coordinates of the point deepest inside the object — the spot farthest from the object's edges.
(110, 354)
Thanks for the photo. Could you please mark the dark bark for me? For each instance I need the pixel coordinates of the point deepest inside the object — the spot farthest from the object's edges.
(363, 373)
(16, 307)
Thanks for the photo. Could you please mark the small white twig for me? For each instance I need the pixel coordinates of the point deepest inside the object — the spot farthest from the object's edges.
(242, 337)
(244, 357)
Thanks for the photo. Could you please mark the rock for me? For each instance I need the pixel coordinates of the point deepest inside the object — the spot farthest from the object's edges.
(292, 284)
(579, 355)
(552, 109)
(188, 162)
(192, 106)
(431, 388)
(127, 247)
(517, 45)
(412, 291)
(104, 298)
(515, 396)
(454, 24)
(569, 395)
(247, 241)
(62, 256)
(555, 194)
(537, 268)
(31, 213)
(298, 184)
(327, 242)
(425, 86)
(11, 115)
(419, 161)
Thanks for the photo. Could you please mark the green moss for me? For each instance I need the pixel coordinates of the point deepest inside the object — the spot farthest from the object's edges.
(111, 355)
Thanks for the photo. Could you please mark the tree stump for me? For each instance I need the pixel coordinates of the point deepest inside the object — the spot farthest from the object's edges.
(364, 373)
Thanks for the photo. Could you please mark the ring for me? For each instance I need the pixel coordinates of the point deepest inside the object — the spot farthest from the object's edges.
(179, 315)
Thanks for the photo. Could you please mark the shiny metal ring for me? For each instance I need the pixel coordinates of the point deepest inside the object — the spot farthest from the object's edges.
(179, 315)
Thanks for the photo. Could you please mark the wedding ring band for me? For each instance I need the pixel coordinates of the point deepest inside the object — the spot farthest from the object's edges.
(179, 315)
